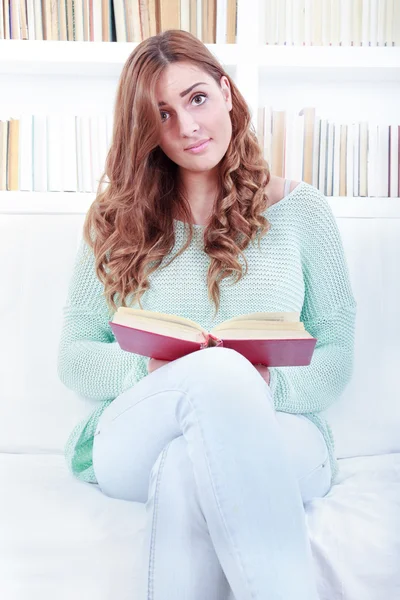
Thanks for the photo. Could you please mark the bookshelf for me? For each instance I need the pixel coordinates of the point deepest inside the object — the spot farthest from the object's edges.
(371, 63)
(81, 77)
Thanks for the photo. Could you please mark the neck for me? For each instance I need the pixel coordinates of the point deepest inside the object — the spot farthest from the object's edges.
(200, 189)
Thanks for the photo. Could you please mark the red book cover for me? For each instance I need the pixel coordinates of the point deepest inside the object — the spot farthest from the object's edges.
(272, 353)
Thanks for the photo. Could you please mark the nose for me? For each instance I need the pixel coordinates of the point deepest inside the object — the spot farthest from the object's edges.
(187, 124)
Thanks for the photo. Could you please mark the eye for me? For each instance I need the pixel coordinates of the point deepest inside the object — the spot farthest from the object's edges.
(164, 112)
(199, 96)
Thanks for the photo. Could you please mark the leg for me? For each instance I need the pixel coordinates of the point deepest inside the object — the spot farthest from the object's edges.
(183, 557)
(308, 455)
(179, 556)
(246, 485)
(177, 526)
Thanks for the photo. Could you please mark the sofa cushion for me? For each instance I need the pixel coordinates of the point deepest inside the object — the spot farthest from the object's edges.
(61, 538)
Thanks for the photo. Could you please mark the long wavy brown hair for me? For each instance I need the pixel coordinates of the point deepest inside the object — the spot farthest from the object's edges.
(130, 224)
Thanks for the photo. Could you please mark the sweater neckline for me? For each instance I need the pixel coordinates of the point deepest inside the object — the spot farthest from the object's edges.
(299, 186)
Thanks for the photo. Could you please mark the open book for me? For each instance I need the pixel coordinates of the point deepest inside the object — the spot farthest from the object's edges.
(269, 338)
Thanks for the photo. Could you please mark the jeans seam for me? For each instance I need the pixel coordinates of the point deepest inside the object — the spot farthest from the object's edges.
(215, 496)
(150, 579)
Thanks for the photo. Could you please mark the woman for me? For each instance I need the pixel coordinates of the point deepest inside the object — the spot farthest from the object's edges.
(224, 454)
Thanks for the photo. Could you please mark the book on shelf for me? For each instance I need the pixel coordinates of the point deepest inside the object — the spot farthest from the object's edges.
(353, 159)
(66, 153)
(117, 20)
(330, 23)
(269, 338)
(360, 23)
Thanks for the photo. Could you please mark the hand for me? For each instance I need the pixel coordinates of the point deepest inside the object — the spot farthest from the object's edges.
(154, 364)
(264, 372)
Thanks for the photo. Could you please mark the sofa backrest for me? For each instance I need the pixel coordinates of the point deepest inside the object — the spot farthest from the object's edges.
(366, 419)
(37, 412)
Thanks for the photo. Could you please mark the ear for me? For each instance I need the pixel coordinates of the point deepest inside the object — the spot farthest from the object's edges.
(226, 91)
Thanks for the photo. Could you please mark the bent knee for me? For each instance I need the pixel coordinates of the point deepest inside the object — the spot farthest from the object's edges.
(305, 443)
(220, 360)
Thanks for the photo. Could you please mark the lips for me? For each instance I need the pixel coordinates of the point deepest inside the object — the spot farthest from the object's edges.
(198, 144)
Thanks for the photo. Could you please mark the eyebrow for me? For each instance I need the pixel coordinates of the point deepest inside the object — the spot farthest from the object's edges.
(182, 94)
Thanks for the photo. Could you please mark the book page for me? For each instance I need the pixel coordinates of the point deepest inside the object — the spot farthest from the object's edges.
(258, 325)
(125, 312)
(245, 334)
(279, 317)
(160, 327)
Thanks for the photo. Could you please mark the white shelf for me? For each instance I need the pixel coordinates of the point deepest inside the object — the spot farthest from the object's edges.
(345, 62)
(365, 208)
(61, 203)
(108, 58)
(49, 203)
(91, 59)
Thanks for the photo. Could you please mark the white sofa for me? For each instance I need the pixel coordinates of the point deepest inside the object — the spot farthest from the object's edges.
(60, 538)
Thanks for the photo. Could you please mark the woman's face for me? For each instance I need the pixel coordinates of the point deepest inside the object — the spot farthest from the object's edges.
(202, 113)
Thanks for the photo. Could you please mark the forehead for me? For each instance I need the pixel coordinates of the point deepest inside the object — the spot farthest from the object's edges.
(176, 78)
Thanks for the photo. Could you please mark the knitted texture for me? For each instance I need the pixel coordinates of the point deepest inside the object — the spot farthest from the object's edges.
(300, 266)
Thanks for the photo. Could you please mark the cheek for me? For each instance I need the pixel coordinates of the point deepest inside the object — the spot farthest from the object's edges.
(165, 144)
(222, 135)
(221, 125)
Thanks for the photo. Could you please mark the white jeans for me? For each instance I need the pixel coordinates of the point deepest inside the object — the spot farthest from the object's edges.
(224, 478)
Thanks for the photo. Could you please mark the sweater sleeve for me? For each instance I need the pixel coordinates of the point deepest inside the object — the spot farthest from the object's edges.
(90, 361)
(328, 314)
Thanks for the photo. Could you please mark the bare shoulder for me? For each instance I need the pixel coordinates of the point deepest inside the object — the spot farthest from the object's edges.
(275, 188)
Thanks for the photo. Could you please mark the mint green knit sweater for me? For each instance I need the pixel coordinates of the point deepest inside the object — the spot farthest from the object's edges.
(300, 266)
